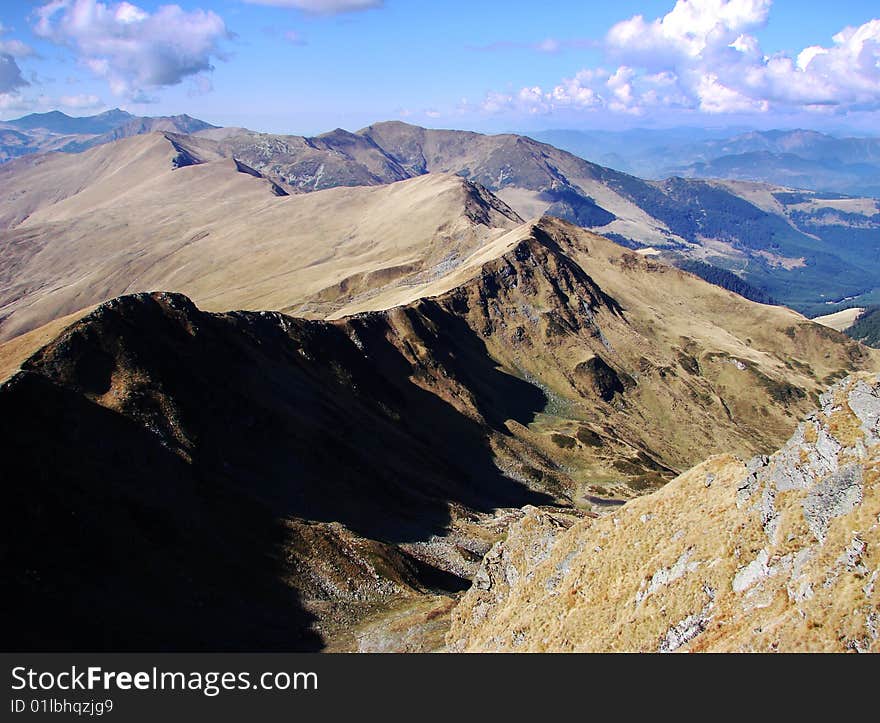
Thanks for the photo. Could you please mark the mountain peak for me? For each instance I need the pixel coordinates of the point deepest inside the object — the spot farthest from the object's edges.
(31, 120)
(114, 112)
(57, 122)
(391, 124)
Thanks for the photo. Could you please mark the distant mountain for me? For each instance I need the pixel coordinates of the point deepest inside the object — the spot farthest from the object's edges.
(644, 152)
(57, 131)
(805, 144)
(784, 244)
(862, 178)
(183, 124)
(798, 158)
(58, 122)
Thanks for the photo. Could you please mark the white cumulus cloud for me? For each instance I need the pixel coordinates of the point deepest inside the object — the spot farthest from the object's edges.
(705, 55)
(689, 30)
(12, 46)
(81, 101)
(134, 50)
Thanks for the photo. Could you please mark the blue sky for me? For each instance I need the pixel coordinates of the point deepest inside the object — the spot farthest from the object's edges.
(305, 66)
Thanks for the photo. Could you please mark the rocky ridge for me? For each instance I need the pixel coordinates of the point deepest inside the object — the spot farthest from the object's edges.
(778, 553)
(223, 467)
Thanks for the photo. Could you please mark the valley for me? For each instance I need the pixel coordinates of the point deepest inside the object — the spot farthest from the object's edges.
(300, 394)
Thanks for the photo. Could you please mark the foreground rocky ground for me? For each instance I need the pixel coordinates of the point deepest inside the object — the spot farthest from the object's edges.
(772, 554)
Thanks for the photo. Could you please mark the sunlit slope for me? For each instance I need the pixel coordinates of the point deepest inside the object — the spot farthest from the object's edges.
(148, 213)
(764, 555)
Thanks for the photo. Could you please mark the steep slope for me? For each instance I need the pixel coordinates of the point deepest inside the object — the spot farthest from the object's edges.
(786, 249)
(777, 554)
(16, 351)
(232, 462)
(231, 457)
(645, 364)
(163, 210)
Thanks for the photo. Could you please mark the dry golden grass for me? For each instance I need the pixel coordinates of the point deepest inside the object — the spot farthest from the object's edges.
(839, 320)
(120, 219)
(706, 370)
(15, 351)
(693, 566)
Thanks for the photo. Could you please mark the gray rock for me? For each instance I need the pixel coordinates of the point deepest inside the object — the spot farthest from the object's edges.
(865, 404)
(836, 495)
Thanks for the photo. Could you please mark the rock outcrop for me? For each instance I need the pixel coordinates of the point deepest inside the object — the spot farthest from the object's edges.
(771, 554)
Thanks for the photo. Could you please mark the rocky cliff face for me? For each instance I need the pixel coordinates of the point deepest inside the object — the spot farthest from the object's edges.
(778, 553)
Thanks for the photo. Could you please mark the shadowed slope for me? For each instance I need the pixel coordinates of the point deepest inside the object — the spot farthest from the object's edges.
(332, 469)
(115, 543)
(179, 455)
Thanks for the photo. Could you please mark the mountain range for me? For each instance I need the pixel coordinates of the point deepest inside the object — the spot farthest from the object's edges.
(816, 252)
(805, 249)
(281, 393)
(794, 158)
(327, 468)
(57, 131)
